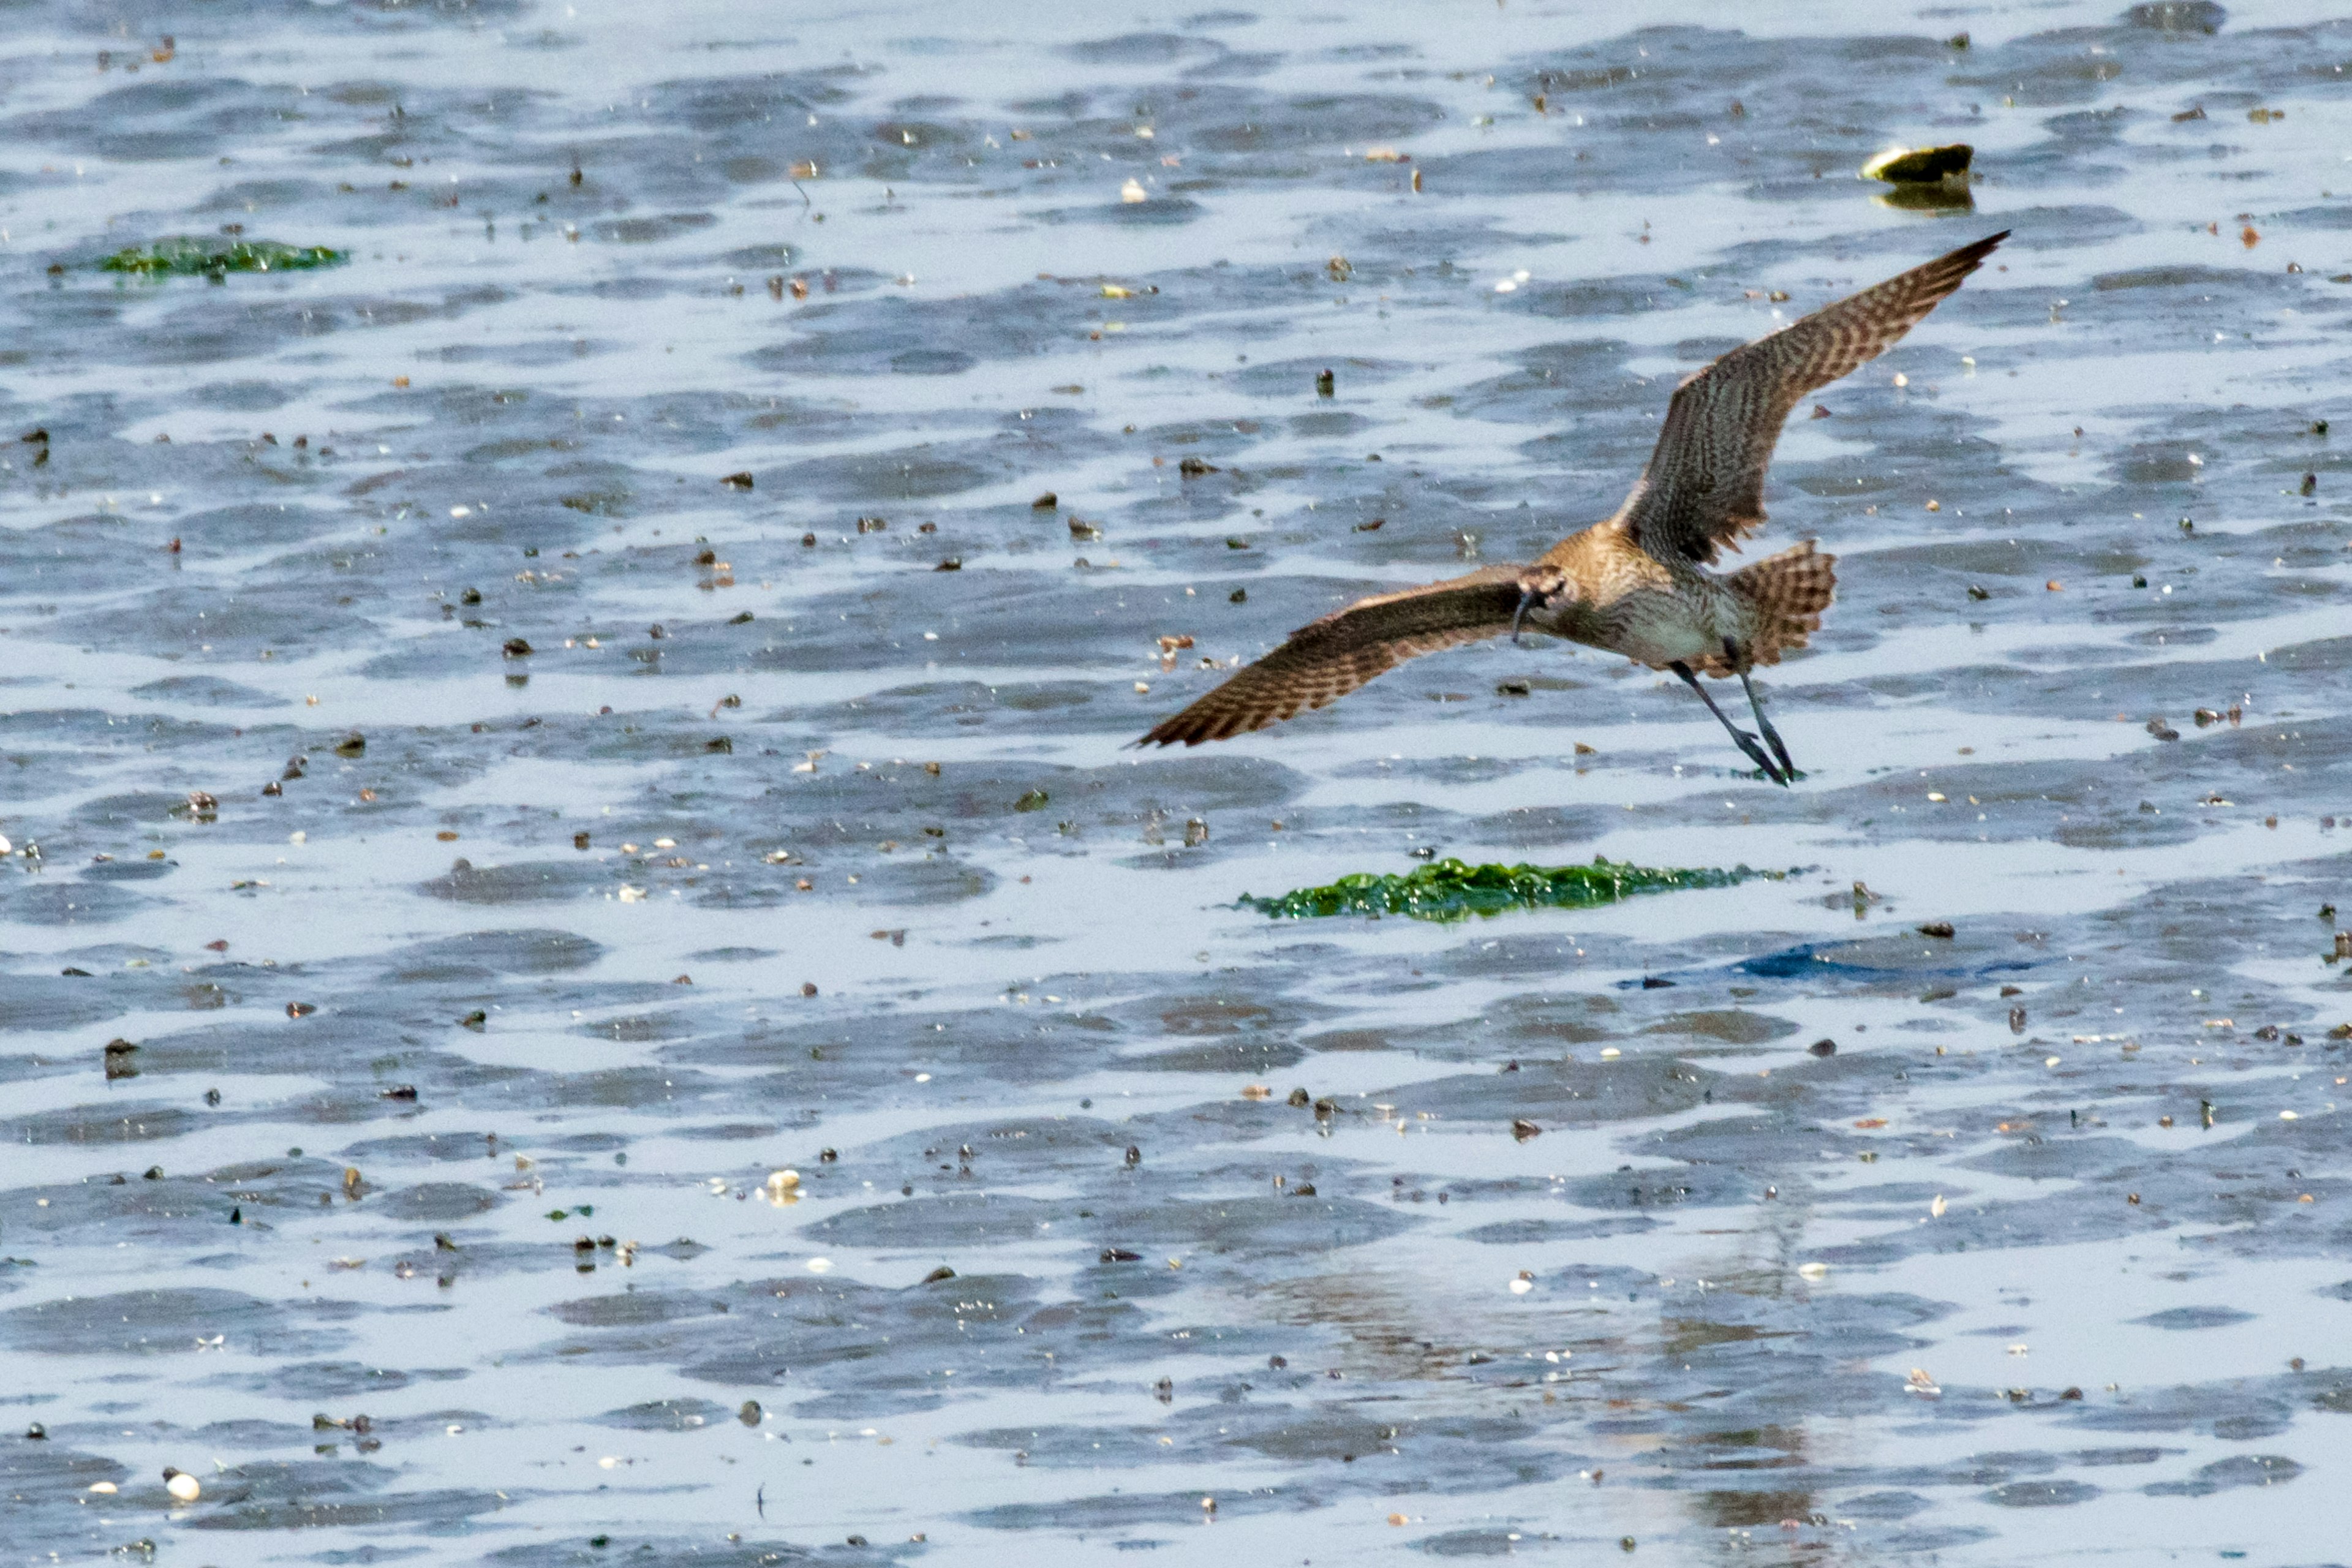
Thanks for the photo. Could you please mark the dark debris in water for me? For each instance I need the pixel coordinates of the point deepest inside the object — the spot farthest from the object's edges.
(1453, 889)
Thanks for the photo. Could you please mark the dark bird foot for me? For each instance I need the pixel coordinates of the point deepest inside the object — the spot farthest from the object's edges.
(1771, 736)
(1778, 773)
(1756, 755)
(1772, 739)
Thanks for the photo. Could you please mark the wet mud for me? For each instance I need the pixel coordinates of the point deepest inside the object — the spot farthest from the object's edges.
(585, 971)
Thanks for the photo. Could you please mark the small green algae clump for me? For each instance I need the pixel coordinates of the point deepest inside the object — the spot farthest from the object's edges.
(188, 256)
(1451, 890)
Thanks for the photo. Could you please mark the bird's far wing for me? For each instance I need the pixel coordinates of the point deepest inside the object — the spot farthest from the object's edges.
(1704, 484)
(1323, 662)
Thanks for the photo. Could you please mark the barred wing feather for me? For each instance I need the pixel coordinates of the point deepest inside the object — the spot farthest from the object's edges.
(1324, 661)
(1704, 483)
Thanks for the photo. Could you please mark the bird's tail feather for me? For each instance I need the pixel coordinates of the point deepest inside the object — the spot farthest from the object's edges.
(1788, 592)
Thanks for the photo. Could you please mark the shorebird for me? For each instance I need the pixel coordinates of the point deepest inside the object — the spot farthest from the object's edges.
(1635, 583)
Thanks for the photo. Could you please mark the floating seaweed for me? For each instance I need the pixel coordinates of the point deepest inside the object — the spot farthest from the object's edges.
(1453, 891)
(192, 256)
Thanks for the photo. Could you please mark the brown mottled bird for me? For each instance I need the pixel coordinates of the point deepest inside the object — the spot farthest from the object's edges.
(1635, 583)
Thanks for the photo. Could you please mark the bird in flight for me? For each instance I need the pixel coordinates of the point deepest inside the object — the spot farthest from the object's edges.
(1635, 584)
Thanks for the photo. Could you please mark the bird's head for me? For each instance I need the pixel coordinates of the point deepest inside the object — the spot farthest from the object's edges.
(1543, 591)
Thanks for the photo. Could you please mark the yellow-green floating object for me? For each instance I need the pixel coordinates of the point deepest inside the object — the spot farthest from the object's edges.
(1920, 165)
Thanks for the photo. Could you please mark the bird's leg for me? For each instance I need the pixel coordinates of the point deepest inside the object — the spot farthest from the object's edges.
(1771, 736)
(1747, 741)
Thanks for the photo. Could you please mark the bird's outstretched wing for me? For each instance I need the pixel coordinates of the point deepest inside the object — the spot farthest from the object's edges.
(1323, 662)
(1704, 484)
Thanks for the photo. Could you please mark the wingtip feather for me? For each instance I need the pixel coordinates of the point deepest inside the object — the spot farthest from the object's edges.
(1973, 256)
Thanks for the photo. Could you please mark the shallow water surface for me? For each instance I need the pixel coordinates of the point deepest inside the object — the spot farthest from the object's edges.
(516, 736)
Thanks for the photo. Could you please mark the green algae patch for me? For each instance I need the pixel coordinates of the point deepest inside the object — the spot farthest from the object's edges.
(1453, 891)
(188, 256)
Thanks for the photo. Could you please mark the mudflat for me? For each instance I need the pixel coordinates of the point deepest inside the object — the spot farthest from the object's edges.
(586, 972)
